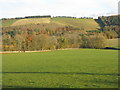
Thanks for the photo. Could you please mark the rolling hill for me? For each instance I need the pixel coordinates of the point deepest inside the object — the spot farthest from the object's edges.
(31, 21)
(9, 22)
(82, 24)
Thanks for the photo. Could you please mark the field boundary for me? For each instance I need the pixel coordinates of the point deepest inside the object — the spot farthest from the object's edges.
(8, 52)
(84, 73)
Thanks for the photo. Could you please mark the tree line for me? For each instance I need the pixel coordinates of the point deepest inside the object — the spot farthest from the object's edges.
(45, 16)
(110, 23)
(50, 37)
(38, 16)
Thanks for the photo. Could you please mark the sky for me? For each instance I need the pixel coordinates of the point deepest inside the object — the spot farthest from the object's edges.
(76, 8)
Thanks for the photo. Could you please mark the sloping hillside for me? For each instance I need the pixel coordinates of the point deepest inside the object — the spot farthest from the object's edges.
(54, 33)
(83, 24)
(110, 23)
(7, 23)
(31, 21)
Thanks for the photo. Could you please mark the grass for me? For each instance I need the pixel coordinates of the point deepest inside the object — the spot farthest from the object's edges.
(84, 68)
(7, 23)
(84, 24)
(31, 21)
(113, 43)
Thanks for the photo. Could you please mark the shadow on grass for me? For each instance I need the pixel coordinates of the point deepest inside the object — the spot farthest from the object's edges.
(10, 86)
(70, 73)
(111, 48)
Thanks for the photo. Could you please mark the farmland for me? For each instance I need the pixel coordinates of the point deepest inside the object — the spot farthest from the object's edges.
(82, 53)
(31, 21)
(83, 24)
(6, 23)
(82, 68)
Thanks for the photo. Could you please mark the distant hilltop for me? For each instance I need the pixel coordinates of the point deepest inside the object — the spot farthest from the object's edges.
(49, 16)
(45, 16)
(38, 16)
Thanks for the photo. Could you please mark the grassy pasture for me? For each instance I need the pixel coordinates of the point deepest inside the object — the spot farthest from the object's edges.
(31, 21)
(83, 68)
(113, 43)
(7, 23)
(84, 24)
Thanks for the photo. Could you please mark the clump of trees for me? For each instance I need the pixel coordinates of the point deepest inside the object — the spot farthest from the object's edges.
(107, 34)
(110, 23)
(93, 41)
(72, 17)
(38, 16)
(44, 42)
(44, 16)
(49, 38)
(52, 36)
(110, 34)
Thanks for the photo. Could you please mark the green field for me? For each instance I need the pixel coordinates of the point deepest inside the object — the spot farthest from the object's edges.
(83, 24)
(83, 68)
(7, 23)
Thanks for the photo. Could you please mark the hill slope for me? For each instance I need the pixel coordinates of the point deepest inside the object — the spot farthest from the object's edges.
(31, 21)
(110, 23)
(82, 24)
(7, 23)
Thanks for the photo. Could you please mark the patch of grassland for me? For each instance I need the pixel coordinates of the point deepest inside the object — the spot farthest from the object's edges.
(113, 43)
(83, 24)
(7, 23)
(84, 68)
(31, 21)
